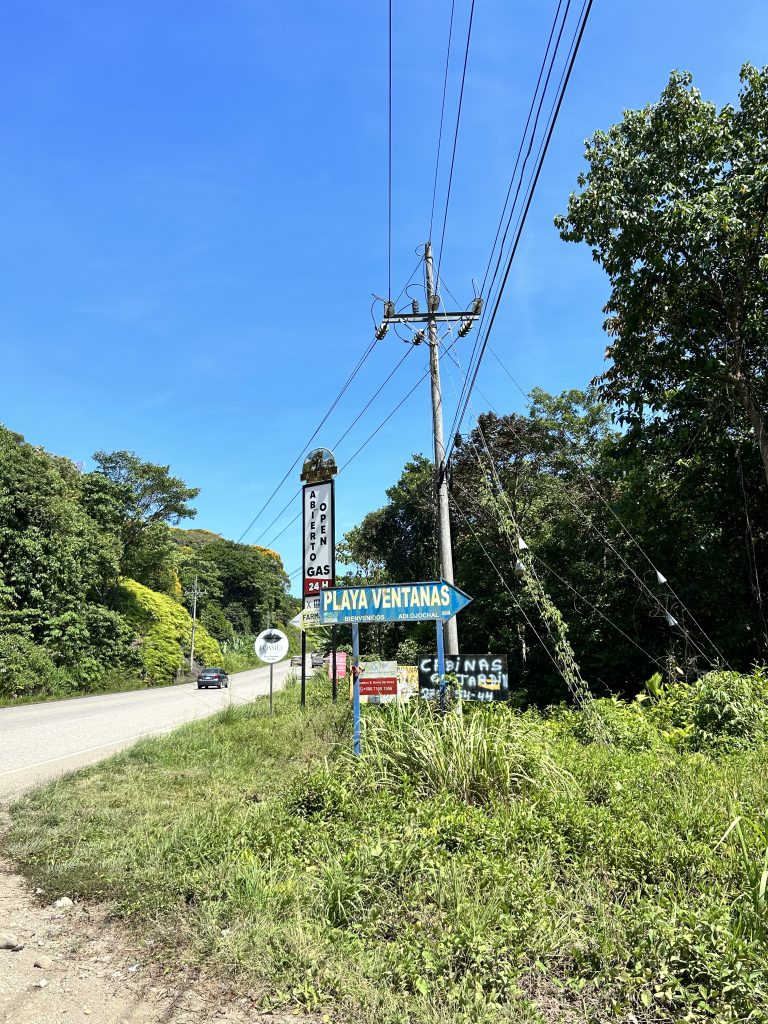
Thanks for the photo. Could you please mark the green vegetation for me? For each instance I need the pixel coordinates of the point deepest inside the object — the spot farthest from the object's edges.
(166, 629)
(483, 866)
(94, 579)
(660, 464)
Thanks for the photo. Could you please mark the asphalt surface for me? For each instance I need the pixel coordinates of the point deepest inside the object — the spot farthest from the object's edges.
(39, 742)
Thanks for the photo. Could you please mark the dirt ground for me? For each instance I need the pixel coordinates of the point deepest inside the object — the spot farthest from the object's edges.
(75, 967)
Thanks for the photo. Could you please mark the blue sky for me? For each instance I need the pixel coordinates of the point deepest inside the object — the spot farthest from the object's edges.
(193, 210)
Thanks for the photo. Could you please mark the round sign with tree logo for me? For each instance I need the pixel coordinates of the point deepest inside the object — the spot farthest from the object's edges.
(271, 645)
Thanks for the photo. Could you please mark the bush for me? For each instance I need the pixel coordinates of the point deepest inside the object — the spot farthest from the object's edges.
(721, 711)
(165, 631)
(27, 669)
(622, 725)
(90, 642)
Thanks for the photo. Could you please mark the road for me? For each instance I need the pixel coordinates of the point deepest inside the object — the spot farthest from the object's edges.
(39, 742)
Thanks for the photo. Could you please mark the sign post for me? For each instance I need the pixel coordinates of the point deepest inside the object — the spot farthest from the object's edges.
(441, 662)
(356, 688)
(319, 534)
(271, 646)
(390, 602)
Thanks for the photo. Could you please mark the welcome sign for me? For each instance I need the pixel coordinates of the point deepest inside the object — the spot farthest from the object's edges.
(394, 602)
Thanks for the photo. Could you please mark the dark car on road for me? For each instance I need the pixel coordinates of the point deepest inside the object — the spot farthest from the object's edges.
(317, 660)
(212, 677)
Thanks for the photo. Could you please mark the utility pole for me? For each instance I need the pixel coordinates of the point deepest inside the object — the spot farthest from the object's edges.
(195, 594)
(431, 318)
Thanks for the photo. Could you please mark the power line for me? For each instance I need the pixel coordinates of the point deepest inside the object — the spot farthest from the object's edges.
(316, 431)
(389, 226)
(519, 154)
(333, 405)
(527, 124)
(563, 85)
(455, 139)
(362, 412)
(442, 116)
(365, 443)
(625, 529)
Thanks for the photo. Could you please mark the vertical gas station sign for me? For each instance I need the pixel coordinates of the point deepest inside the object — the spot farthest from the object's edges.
(319, 557)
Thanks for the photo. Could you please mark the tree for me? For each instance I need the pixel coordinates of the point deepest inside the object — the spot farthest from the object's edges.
(53, 555)
(675, 208)
(151, 500)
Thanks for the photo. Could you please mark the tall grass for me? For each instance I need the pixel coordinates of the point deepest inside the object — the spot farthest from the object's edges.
(478, 867)
(486, 754)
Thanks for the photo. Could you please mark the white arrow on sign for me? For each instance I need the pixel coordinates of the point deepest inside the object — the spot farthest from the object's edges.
(309, 617)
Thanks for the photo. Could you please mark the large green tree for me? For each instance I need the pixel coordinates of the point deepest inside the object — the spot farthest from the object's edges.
(149, 500)
(674, 205)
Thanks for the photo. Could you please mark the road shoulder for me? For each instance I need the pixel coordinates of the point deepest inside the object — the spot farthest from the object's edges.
(75, 965)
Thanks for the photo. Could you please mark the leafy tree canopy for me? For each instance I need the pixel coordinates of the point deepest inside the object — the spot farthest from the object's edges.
(675, 208)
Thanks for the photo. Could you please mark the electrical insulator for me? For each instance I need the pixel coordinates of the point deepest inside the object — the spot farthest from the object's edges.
(434, 303)
(466, 327)
(477, 306)
(389, 309)
(381, 331)
(457, 441)
(418, 337)
(415, 306)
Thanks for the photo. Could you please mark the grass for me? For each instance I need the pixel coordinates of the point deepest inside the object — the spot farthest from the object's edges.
(114, 684)
(482, 867)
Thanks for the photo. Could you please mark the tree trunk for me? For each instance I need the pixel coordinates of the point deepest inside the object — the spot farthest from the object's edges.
(755, 415)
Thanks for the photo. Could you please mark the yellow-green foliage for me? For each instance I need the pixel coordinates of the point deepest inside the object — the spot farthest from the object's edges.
(271, 553)
(165, 629)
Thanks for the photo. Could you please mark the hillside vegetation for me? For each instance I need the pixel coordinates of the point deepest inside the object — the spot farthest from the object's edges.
(96, 582)
(483, 866)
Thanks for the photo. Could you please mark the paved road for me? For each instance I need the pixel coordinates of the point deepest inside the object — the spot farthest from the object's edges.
(38, 742)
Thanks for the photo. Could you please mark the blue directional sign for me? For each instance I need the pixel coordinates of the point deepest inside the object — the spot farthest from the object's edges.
(391, 602)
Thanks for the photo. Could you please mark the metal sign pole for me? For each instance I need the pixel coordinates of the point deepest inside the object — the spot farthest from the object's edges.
(334, 687)
(356, 687)
(440, 661)
(271, 669)
(303, 669)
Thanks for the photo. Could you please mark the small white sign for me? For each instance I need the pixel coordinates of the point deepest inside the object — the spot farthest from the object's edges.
(271, 645)
(309, 617)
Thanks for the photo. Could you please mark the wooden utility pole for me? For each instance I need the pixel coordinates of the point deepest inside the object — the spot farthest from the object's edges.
(450, 629)
(431, 318)
(194, 625)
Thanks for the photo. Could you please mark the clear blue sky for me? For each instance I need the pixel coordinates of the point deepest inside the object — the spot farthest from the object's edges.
(193, 210)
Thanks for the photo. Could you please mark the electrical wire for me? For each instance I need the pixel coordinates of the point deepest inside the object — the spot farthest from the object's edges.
(538, 558)
(455, 141)
(442, 117)
(509, 590)
(336, 401)
(562, 88)
(316, 431)
(365, 443)
(389, 190)
(625, 529)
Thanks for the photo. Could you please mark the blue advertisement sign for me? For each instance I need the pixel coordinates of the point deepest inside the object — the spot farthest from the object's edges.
(391, 602)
